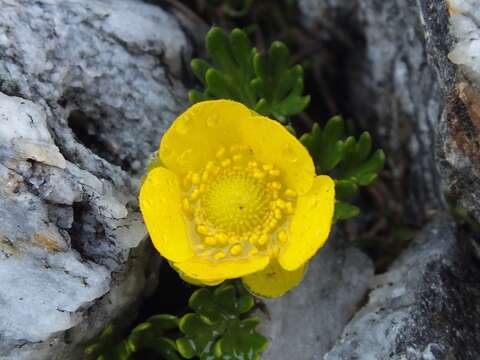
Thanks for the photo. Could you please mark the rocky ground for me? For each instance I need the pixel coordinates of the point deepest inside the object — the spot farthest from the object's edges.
(88, 87)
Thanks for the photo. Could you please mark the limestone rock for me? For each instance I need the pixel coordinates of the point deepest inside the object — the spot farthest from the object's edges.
(306, 322)
(455, 48)
(424, 306)
(86, 90)
(387, 85)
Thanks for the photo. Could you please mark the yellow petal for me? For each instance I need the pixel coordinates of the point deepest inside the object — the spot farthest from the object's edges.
(195, 282)
(310, 225)
(273, 281)
(196, 135)
(272, 143)
(209, 272)
(199, 133)
(160, 203)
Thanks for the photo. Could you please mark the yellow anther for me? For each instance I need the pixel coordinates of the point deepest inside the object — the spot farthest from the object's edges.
(210, 165)
(220, 152)
(236, 249)
(274, 172)
(195, 179)
(253, 251)
(290, 193)
(219, 255)
(267, 167)
(278, 214)
(276, 185)
(222, 238)
(202, 229)
(237, 157)
(273, 223)
(200, 247)
(282, 236)
(186, 205)
(258, 174)
(263, 239)
(205, 176)
(280, 204)
(195, 195)
(253, 238)
(226, 162)
(252, 164)
(210, 240)
(289, 207)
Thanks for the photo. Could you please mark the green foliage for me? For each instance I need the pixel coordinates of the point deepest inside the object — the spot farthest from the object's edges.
(151, 335)
(266, 83)
(217, 329)
(348, 160)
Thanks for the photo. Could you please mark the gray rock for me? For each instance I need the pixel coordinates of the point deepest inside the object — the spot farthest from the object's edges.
(455, 47)
(410, 73)
(86, 90)
(304, 323)
(385, 83)
(424, 307)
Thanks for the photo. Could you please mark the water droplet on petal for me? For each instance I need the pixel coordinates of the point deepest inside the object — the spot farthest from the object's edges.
(183, 125)
(213, 120)
(167, 150)
(185, 156)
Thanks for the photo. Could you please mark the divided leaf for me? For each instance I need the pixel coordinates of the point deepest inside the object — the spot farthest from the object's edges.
(266, 83)
(346, 159)
(217, 330)
(147, 335)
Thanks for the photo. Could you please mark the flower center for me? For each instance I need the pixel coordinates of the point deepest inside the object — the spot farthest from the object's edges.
(238, 207)
(236, 203)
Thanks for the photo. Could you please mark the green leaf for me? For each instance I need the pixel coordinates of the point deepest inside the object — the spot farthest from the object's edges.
(345, 190)
(326, 145)
(344, 211)
(266, 83)
(231, 337)
(147, 335)
(346, 159)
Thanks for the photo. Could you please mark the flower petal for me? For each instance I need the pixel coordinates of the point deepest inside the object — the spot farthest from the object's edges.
(209, 272)
(273, 281)
(160, 203)
(195, 282)
(196, 135)
(311, 223)
(272, 143)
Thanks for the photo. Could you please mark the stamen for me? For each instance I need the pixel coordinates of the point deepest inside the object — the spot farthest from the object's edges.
(237, 205)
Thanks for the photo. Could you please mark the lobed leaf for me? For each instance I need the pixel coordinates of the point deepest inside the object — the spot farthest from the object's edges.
(266, 83)
(346, 159)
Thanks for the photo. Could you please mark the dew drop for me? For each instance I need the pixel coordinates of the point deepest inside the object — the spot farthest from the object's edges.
(185, 156)
(213, 121)
(167, 150)
(183, 125)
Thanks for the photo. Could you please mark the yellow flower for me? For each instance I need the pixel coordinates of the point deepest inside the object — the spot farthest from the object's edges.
(235, 195)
